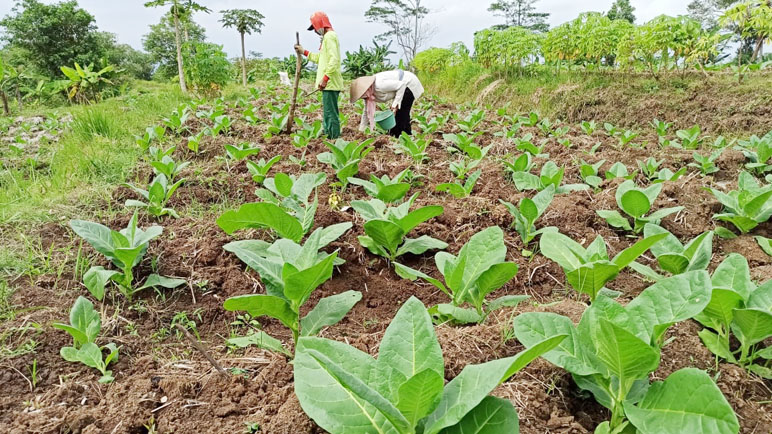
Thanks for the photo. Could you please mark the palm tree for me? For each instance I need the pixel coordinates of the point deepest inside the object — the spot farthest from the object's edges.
(179, 8)
(245, 21)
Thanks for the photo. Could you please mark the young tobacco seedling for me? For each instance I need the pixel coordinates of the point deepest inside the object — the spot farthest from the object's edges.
(690, 139)
(525, 144)
(636, 203)
(758, 151)
(461, 168)
(523, 163)
(292, 193)
(164, 164)
(415, 148)
(345, 157)
(611, 130)
(386, 228)
(649, 167)
(241, 151)
(222, 125)
(194, 141)
(384, 188)
(588, 270)
(674, 257)
(478, 270)
(626, 137)
(259, 170)
(276, 125)
(550, 175)
(614, 349)
(156, 196)
(458, 189)
(619, 170)
(345, 390)
(746, 207)
(706, 165)
(589, 173)
(84, 328)
(152, 134)
(290, 273)
(465, 143)
(531, 120)
(661, 127)
(125, 249)
(588, 127)
(176, 121)
(528, 212)
(740, 308)
(470, 123)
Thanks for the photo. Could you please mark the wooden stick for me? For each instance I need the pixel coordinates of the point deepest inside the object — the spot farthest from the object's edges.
(201, 349)
(298, 67)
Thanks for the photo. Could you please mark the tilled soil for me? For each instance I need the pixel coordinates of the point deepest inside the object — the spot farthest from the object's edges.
(162, 383)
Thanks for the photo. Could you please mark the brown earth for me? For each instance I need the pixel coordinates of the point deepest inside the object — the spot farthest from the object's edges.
(162, 383)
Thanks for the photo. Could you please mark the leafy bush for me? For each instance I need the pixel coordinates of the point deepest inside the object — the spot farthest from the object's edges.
(290, 273)
(125, 249)
(345, 390)
(435, 60)
(478, 270)
(84, 84)
(588, 270)
(614, 349)
(737, 307)
(636, 203)
(746, 207)
(207, 68)
(367, 61)
(386, 228)
(84, 328)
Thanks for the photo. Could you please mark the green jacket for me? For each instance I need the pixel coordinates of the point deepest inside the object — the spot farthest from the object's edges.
(328, 60)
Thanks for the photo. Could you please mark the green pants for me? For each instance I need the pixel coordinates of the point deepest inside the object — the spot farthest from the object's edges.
(331, 115)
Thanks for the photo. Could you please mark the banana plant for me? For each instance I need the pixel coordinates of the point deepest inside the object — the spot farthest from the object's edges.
(84, 327)
(345, 390)
(746, 207)
(738, 307)
(386, 228)
(588, 270)
(528, 211)
(259, 170)
(389, 190)
(478, 270)
(290, 273)
(675, 257)
(158, 193)
(345, 157)
(550, 175)
(636, 203)
(125, 249)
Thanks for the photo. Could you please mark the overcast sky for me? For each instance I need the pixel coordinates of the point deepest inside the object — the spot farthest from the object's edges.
(454, 20)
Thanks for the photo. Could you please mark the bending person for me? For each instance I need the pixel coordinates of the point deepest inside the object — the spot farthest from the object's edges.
(400, 88)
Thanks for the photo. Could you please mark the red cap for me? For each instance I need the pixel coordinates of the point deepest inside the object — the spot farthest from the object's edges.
(319, 20)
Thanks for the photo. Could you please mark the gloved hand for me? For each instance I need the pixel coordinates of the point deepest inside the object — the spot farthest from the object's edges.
(323, 84)
(299, 49)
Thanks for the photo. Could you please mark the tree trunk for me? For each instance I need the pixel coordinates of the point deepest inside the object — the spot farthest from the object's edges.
(180, 69)
(4, 97)
(757, 50)
(243, 61)
(19, 98)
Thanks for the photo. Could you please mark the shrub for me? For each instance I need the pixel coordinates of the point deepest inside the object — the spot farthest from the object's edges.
(208, 69)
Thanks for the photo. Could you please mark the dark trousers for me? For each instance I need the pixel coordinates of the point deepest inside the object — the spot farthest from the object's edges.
(403, 116)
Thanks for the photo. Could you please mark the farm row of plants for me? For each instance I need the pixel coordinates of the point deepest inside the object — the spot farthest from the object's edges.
(610, 353)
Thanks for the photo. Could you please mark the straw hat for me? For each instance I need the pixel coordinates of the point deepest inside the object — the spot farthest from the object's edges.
(360, 86)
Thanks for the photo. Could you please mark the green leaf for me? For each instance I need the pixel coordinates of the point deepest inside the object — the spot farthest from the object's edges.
(456, 314)
(99, 236)
(673, 263)
(687, 401)
(733, 273)
(154, 281)
(631, 253)
(328, 312)
(625, 355)
(455, 190)
(560, 248)
(419, 395)
(765, 244)
(752, 326)
(635, 203)
(259, 304)
(419, 216)
(417, 246)
(491, 416)
(95, 280)
(393, 192)
(409, 346)
(589, 279)
(90, 355)
(262, 340)
(716, 345)
(720, 309)
(283, 184)
(761, 298)
(385, 233)
(615, 219)
(298, 284)
(506, 301)
(260, 215)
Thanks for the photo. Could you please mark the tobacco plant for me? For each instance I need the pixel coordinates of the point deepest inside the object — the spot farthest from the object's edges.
(619, 170)
(292, 193)
(589, 127)
(259, 170)
(386, 228)
(589, 173)
(460, 189)
(706, 165)
(675, 257)
(384, 188)
(636, 203)
(523, 163)
(589, 269)
(550, 175)
(746, 207)
(738, 307)
(415, 148)
(759, 152)
(176, 121)
(84, 328)
(614, 349)
(528, 211)
(290, 273)
(465, 143)
(241, 151)
(478, 270)
(158, 193)
(690, 138)
(125, 249)
(345, 157)
(403, 391)
(164, 164)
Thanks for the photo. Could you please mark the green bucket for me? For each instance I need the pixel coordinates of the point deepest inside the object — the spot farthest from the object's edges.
(385, 120)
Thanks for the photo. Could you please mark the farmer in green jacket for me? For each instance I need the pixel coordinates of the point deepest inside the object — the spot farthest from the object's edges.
(328, 76)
